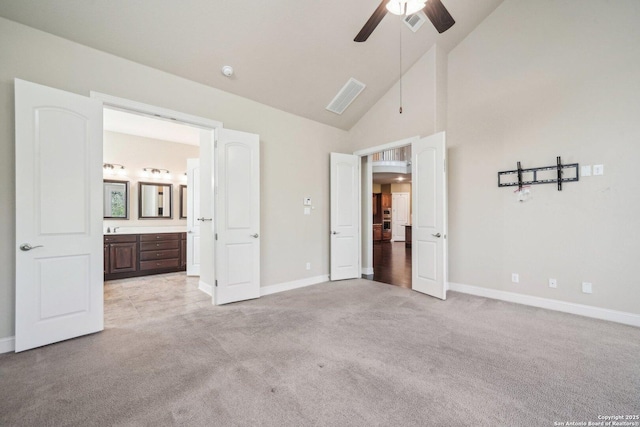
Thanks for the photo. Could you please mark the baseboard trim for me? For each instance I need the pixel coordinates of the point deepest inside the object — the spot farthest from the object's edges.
(549, 304)
(7, 345)
(288, 286)
(367, 270)
(206, 288)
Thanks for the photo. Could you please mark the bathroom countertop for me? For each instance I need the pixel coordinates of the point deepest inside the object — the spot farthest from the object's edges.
(147, 230)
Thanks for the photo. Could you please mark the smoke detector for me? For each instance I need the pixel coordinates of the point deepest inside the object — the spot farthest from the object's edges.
(227, 70)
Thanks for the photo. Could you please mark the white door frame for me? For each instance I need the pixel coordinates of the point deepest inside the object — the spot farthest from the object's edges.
(366, 235)
(210, 129)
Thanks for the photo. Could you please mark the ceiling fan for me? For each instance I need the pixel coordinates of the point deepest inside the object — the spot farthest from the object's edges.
(434, 9)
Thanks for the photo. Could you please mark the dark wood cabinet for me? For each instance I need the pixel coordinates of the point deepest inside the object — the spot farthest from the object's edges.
(159, 251)
(386, 235)
(386, 201)
(105, 267)
(123, 257)
(407, 235)
(183, 252)
(131, 255)
(120, 254)
(377, 232)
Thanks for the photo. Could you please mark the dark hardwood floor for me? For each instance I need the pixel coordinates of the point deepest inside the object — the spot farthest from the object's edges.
(392, 264)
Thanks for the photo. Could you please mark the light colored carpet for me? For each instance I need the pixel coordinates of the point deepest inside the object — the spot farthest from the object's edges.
(337, 354)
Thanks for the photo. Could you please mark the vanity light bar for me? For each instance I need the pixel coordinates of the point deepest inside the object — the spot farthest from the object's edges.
(156, 173)
(113, 168)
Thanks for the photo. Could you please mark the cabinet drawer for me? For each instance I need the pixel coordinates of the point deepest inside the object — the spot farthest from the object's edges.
(166, 244)
(163, 263)
(158, 237)
(123, 238)
(149, 255)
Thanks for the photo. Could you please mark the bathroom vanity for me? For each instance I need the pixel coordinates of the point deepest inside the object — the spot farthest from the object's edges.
(143, 254)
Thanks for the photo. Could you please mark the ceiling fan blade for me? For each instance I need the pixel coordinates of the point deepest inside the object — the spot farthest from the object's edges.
(372, 23)
(438, 15)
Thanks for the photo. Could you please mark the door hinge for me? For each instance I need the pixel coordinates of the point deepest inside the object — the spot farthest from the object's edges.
(216, 236)
(215, 144)
(216, 283)
(445, 164)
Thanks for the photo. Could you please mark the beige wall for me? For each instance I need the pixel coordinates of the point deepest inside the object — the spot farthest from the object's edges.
(536, 80)
(401, 188)
(423, 84)
(294, 151)
(136, 153)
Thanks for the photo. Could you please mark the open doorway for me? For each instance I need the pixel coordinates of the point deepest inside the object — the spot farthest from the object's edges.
(149, 228)
(64, 131)
(391, 216)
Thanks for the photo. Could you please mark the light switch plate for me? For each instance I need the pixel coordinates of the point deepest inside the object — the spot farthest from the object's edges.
(585, 170)
(587, 287)
(598, 169)
(307, 211)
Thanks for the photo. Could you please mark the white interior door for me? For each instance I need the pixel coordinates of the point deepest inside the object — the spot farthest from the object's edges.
(429, 190)
(400, 207)
(59, 255)
(345, 216)
(193, 213)
(238, 217)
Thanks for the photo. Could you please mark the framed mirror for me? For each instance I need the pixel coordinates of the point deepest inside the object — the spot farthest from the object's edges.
(155, 200)
(116, 199)
(183, 202)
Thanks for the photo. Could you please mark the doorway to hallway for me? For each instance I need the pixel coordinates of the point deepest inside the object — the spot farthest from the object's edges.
(392, 263)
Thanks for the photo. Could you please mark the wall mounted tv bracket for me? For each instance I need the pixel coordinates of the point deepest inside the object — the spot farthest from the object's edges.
(542, 175)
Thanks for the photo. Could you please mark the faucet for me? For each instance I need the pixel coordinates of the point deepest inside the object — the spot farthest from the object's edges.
(115, 229)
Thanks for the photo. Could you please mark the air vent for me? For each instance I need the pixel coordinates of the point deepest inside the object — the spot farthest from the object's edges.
(345, 97)
(415, 21)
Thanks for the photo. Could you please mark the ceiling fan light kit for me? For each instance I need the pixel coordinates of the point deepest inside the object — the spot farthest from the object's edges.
(433, 9)
(405, 7)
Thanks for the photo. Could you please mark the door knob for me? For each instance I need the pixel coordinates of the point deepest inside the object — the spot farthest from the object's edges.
(336, 232)
(255, 236)
(437, 235)
(27, 247)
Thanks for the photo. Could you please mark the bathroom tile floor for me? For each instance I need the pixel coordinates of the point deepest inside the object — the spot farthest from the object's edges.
(140, 299)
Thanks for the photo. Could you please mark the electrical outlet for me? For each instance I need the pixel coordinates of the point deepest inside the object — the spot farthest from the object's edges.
(308, 266)
(553, 283)
(515, 278)
(598, 169)
(587, 287)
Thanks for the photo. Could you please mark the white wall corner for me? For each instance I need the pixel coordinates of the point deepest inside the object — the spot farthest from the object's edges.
(295, 284)
(549, 304)
(206, 288)
(7, 345)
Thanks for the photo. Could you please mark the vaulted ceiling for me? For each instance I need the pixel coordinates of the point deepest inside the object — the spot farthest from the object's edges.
(294, 55)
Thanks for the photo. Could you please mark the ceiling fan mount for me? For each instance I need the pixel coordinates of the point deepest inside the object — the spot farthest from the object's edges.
(434, 9)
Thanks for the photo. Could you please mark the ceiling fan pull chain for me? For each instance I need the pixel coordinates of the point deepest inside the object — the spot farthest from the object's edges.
(400, 67)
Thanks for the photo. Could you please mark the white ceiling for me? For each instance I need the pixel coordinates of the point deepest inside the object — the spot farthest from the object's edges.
(290, 54)
(391, 178)
(135, 124)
